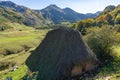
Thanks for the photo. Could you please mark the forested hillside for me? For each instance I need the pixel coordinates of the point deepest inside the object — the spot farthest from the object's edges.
(13, 13)
(109, 16)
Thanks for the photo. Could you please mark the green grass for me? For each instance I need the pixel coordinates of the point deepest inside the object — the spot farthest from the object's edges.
(17, 26)
(17, 74)
(19, 59)
(17, 42)
(112, 70)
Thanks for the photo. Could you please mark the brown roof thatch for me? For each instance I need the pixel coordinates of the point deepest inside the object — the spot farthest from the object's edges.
(62, 53)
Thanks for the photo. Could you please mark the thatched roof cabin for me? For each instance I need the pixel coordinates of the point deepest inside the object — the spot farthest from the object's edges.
(62, 54)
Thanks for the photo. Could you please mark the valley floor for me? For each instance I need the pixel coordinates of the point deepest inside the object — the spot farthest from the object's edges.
(15, 47)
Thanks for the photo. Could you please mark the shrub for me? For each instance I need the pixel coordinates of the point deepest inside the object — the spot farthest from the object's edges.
(117, 19)
(101, 40)
(117, 28)
(6, 64)
(4, 27)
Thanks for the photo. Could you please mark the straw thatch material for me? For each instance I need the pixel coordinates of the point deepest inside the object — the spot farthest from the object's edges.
(61, 54)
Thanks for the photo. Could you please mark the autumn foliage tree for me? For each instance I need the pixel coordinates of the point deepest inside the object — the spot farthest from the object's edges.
(117, 19)
(89, 22)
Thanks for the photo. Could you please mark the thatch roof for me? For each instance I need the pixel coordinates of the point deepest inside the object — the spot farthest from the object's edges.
(60, 51)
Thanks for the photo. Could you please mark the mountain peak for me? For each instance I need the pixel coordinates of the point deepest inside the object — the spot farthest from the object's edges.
(7, 3)
(52, 5)
(13, 6)
(109, 8)
(68, 9)
(57, 15)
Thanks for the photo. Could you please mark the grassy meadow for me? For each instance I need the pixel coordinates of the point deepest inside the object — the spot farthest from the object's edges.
(15, 47)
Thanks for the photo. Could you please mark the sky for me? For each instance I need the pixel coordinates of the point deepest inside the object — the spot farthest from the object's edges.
(81, 6)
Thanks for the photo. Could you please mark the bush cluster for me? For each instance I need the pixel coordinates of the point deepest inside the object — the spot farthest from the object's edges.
(101, 41)
(6, 64)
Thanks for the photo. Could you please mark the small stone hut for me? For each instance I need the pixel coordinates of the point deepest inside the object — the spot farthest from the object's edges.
(61, 55)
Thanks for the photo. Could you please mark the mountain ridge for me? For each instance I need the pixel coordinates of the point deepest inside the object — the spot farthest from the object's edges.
(37, 18)
(65, 14)
(12, 5)
(30, 17)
